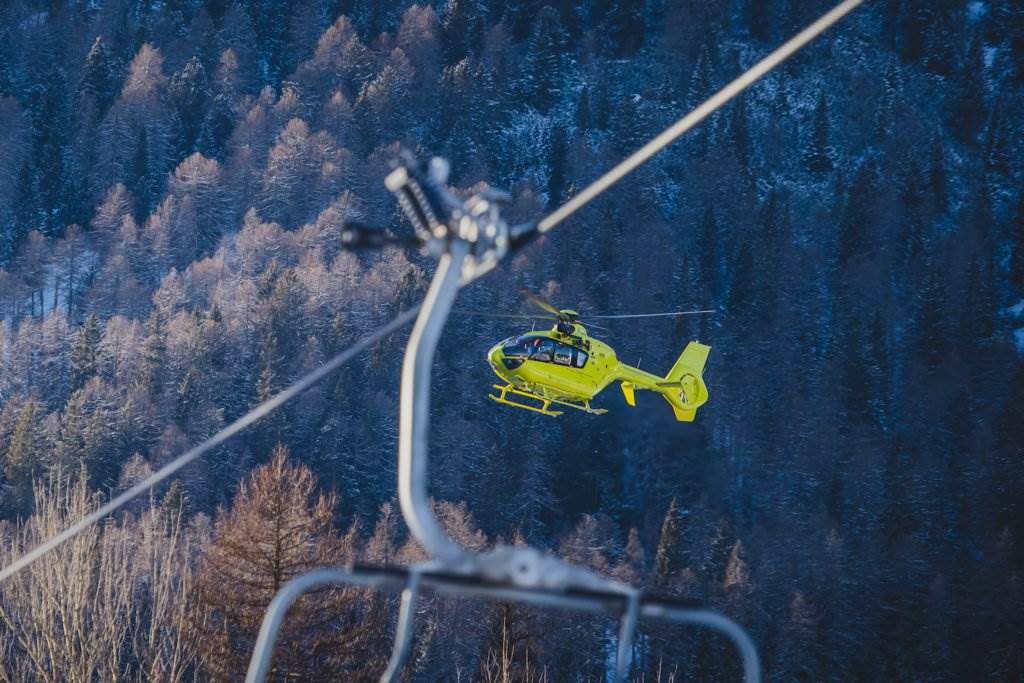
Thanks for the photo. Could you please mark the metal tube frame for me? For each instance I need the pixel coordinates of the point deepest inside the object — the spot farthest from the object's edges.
(629, 607)
(414, 418)
(404, 628)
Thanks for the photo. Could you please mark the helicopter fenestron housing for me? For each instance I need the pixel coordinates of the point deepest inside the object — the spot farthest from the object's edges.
(565, 366)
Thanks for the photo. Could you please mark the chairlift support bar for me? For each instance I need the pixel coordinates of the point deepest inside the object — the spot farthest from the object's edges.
(628, 608)
(414, 417)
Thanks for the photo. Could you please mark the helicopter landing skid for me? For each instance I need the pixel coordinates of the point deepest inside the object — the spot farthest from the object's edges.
(545, 408)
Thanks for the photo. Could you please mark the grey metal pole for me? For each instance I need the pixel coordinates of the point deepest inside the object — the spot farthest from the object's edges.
(717, 622)
(263, 652)
(403, 630)
(414, 417)
(627, 632)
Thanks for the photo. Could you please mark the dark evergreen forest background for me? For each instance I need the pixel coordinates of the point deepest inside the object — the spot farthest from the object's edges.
(174, 175)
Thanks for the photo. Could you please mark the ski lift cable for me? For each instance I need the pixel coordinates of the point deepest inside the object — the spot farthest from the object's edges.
(704, 110)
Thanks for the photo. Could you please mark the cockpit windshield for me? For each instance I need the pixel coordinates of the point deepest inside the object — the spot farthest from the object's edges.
(521, 346)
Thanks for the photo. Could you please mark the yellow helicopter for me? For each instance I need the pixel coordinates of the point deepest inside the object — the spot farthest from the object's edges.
(564, 366)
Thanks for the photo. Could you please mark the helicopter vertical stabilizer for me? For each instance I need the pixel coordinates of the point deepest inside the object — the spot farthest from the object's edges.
(691, 360)
(684, 387)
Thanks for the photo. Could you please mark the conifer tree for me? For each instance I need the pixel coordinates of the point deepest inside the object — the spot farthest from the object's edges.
(1008, 501)
(977, 324)
(558, 180)
(736, 581)
(930, 322)
(278, 527)
(84, 351)
(671, 557)
(25, 458)
(818, 155)
(701, 78)
(153, 353)
(937, 178)
(759, 18)
(898, 511)
(626, 27)
(521, 16)
(98, 80)
(631, 567)
(186, 398)
(743, 294)
(464, 23)
(716, 556)
(541, 80)
(856, 218)
(190, 94)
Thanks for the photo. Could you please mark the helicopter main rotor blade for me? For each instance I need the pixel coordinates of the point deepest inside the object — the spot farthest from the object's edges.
(672, 314)
(516, 316)
(540, 303)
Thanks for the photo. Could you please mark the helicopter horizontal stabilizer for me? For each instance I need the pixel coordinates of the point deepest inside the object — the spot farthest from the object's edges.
(628, 390)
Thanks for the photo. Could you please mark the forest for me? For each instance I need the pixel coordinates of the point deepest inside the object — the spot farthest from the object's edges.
(174, 180)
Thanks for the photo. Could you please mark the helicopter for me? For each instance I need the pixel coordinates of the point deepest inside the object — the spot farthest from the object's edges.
(566, 367)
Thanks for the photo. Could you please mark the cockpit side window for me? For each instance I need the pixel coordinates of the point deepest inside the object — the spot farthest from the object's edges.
(543, 350)
(563, 354)
(581, 358)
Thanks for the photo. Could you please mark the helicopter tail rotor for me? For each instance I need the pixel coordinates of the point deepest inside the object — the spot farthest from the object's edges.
(684, 387)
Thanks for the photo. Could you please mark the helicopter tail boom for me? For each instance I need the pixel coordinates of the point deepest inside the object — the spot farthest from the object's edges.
(683, 387)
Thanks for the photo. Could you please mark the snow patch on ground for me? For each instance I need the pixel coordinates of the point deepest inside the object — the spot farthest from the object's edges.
(1017, 310)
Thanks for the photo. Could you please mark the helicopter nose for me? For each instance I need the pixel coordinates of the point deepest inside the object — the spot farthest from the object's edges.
(494, 357)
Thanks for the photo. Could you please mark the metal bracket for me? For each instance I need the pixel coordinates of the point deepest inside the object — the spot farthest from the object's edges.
(440, 218)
